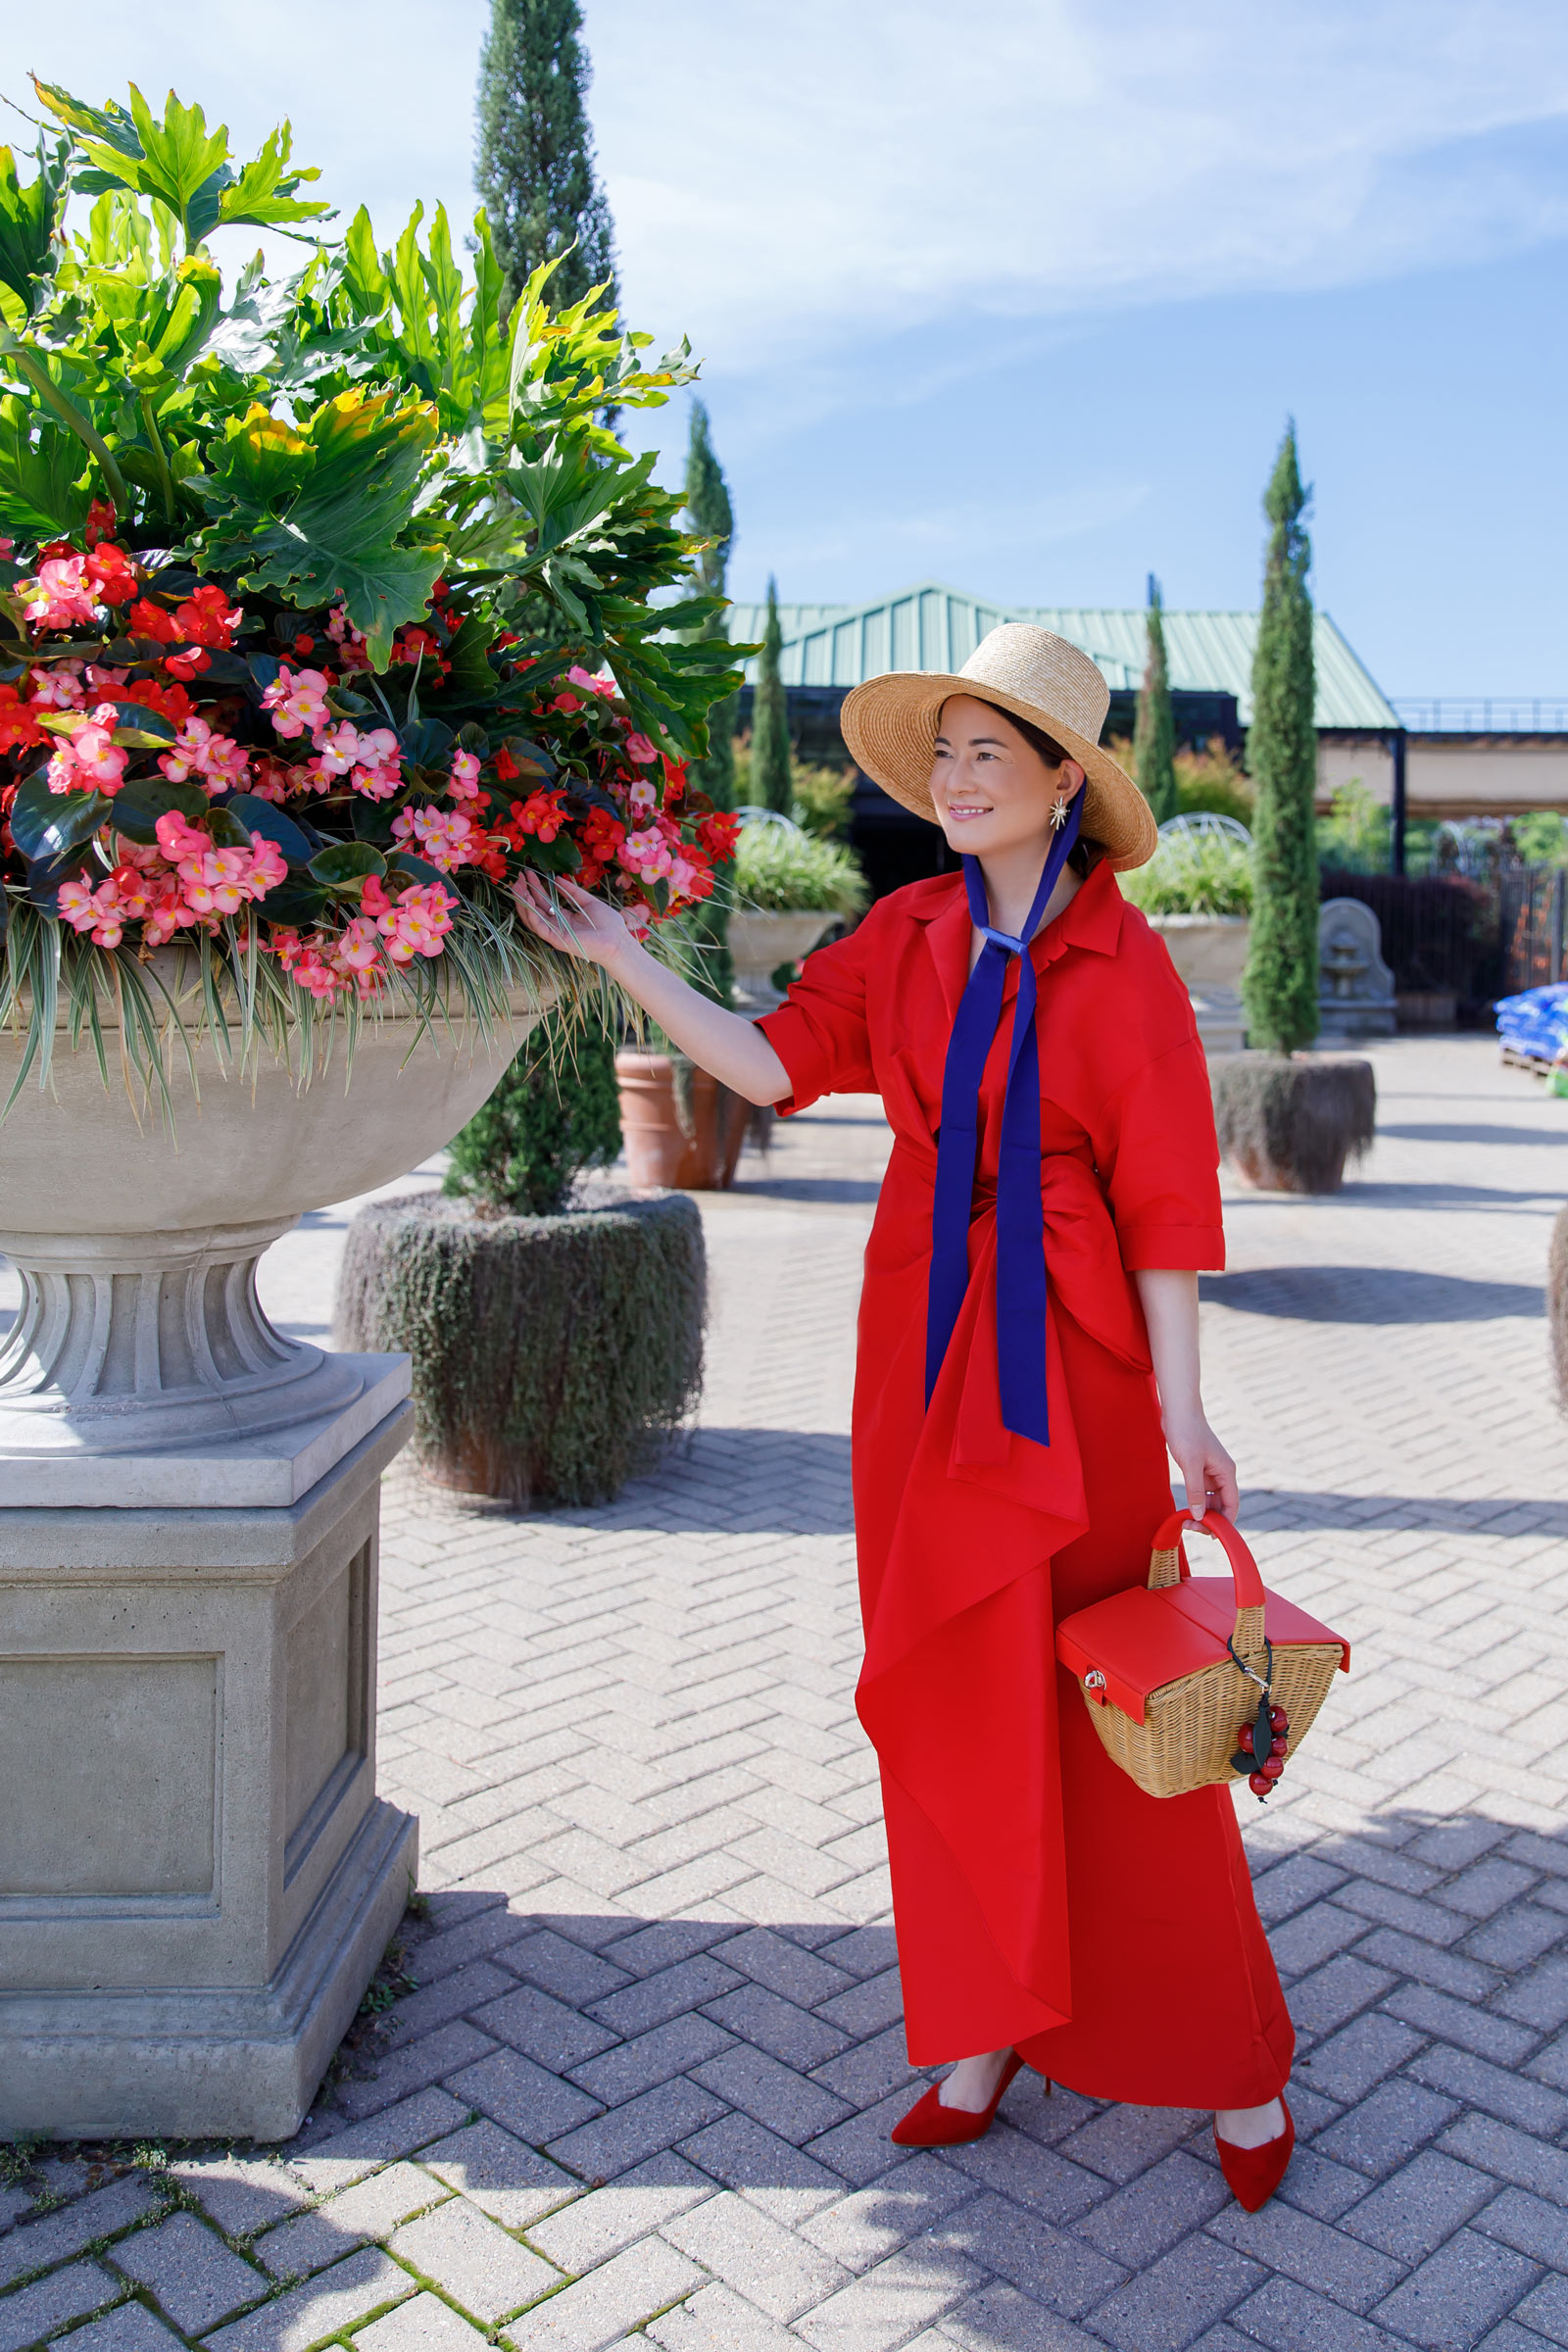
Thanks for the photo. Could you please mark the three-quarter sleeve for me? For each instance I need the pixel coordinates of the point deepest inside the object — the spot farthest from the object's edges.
(819, 1032)
(1161, 1161)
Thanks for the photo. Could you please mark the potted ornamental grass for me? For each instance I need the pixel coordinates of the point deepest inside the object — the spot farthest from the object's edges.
(681, 1126)
(556, 1340)
(326, 612)
(1196, 891)
(791, 888)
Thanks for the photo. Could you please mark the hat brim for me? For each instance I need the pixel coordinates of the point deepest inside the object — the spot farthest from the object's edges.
(890, 724)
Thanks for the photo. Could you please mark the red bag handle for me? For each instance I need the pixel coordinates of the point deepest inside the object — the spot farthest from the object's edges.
(1244, 1571)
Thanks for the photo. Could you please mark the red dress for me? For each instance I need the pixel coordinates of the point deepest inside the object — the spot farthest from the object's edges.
(1041, 1899)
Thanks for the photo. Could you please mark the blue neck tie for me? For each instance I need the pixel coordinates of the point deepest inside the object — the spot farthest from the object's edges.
(1020, 1224)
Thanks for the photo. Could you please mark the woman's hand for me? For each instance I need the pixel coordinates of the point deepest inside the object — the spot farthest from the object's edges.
(1204, 1464)
(596, 932)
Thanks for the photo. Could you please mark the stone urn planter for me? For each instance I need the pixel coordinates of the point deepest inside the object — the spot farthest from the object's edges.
(759, 941)
(1210, 953)
(1289, 1125)
(680, 1127)
(197, 1877)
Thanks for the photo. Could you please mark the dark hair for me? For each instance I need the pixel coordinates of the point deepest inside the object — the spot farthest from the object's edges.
(1086, 852)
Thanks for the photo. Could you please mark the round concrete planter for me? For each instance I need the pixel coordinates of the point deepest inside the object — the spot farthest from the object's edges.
(759, 943)
(137, 1240)
(1210, 953)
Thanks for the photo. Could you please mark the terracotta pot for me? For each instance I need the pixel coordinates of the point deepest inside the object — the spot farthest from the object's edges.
(659, 1151)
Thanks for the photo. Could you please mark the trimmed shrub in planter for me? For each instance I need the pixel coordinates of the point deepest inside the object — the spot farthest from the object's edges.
(1290, 1126)
(1557, 1302)
(552, 1348)
(551, 1356)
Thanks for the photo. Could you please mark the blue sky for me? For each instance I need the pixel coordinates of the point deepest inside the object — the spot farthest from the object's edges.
(1018, 295)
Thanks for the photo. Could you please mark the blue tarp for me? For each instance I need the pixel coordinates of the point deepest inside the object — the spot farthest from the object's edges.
(1535, 1022)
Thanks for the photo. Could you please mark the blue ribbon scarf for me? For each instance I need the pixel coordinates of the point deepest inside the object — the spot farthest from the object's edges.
(1020, 1224)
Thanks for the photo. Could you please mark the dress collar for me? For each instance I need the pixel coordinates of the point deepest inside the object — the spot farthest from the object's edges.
(1092, 919)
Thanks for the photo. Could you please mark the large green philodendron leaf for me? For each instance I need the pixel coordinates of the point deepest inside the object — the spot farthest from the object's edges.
(45, 476)
(316, 515)
(30, 216)
(182, 163)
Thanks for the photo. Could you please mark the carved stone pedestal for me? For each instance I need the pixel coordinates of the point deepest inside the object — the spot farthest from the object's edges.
(197, 1877)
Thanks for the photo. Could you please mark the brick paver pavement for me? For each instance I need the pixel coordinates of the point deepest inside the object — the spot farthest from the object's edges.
(635, 2084)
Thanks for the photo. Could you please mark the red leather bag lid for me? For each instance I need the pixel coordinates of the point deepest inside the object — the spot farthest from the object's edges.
(1141, 1640)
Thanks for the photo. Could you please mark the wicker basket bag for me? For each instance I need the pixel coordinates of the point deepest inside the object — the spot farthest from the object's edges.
(1184, 1678)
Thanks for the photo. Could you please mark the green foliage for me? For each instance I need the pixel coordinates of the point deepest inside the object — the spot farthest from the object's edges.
(1280, 986)
(555, 1114)
(1290, 1126)
(1541, 836)
(352, 431)
(713, 519)
(551, 1354)
(782, 870)
(1213, 778)
(822, 798)
(1154, 740)
(1193, 875)
(770, 782)
(1356, 838)
(535, 171)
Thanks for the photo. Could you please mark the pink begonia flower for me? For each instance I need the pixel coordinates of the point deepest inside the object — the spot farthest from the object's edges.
(592, 685)
(418, 922)
(338, 748)
(61, 594)
(8, 548)
(642, 794)
(341, 630)
(638, 917)
(445, 835)
(682, 875)
(177, 838)
(359, 947)
(100, 680)
(646, 855)
(58, 687)
(297, 699)
(217, 760)
(96, 910)
(89, 761)
(639, 747)
(464, 777)
(379, 774)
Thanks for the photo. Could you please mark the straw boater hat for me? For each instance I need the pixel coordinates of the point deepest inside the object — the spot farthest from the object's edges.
(890, 724)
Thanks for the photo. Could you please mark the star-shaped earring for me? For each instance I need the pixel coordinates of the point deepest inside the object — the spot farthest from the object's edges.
(1059, 812)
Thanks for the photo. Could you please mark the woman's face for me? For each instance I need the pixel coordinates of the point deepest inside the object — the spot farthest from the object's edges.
(991, 789)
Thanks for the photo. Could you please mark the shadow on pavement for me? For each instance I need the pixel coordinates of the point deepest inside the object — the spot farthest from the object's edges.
(1369, 1294)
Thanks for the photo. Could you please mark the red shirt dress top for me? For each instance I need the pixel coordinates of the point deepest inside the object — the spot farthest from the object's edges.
(1041, 1899)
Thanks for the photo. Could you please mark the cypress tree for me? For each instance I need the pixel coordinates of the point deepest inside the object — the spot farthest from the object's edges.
(770, 726)
(1154, 739)
(711, 516)
(535, 165)
(1280, 986)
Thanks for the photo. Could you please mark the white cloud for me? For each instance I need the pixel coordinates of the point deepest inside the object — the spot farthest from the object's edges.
(796, 181)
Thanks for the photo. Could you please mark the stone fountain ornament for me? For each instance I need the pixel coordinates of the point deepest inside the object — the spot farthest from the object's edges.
(325, 615)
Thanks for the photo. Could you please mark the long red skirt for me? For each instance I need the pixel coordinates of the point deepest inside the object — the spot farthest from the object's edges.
(1175, 2000)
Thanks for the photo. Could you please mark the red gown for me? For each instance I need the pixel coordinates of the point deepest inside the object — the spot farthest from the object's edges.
(1041, 1899)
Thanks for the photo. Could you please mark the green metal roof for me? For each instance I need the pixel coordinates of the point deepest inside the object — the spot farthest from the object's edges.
(931, 626)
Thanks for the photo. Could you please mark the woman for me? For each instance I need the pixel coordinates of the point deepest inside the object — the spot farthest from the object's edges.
(1050, 1194)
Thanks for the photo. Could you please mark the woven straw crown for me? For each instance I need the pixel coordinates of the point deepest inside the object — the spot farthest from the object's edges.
(890, 724)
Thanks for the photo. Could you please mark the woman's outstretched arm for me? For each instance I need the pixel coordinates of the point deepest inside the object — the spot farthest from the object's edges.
(1170, 1309)
(736, 1052)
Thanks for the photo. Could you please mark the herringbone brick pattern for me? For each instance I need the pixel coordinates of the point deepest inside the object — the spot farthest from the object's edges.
(637, 2088)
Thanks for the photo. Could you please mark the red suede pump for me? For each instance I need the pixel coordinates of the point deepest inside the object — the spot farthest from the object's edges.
(930, 2125)
(1255, 2174)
